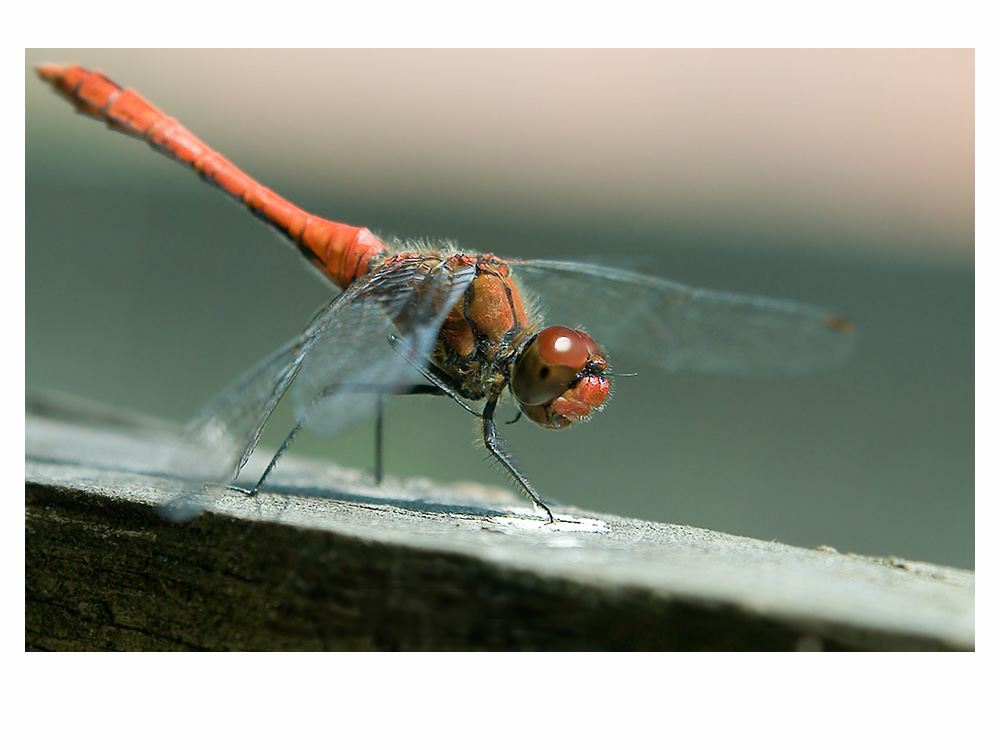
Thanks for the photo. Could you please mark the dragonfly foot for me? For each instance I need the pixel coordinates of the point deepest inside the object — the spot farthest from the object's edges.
(543, 506)
(243, 490)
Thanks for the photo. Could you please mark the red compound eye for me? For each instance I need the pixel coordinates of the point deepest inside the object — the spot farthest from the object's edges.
(550, 363)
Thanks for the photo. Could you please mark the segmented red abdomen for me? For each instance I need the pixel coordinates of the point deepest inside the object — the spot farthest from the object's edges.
(342, 252)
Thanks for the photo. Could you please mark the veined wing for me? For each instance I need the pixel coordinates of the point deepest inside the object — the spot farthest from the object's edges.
(350, 361)
(680, 327)
(336, 368)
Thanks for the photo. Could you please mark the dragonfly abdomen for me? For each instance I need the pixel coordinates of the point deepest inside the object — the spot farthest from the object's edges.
(342, 252)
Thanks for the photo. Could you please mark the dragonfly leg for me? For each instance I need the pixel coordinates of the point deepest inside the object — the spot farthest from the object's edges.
(492, 441)
(377, 471)
(430, 372)
(490, 438)
(274, 462)
(428, 389)
(379, 424)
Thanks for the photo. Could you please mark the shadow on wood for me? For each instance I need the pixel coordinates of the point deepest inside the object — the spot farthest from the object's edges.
(332, 562)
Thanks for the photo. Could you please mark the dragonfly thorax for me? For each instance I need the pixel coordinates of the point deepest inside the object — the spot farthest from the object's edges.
(484, 332)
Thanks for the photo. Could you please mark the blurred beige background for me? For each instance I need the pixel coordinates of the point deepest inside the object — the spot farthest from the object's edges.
(843, 178)
(866, 142)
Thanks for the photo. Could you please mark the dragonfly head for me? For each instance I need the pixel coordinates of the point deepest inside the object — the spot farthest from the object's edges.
(559, 377)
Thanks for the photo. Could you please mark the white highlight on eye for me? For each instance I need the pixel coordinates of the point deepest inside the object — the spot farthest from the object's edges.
(563, 344)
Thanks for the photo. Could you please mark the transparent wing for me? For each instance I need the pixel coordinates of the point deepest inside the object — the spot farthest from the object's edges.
(679, 327)
(350, 362)
(335, 368)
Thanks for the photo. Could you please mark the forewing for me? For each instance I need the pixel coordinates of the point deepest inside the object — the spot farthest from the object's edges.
(679, 327)
(336, 368)
(221, 437)
(351, 362)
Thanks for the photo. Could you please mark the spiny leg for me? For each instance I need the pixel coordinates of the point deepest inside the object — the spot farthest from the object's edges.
(380, 391)
(431, 373)
(379, 424)
(490, 436)
(252, 492)
(420, 389)
(492, 441)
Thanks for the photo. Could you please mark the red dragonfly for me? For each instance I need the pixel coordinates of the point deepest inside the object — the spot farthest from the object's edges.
(418, 317)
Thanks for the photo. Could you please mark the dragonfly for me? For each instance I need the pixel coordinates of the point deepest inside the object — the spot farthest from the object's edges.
(430, 317)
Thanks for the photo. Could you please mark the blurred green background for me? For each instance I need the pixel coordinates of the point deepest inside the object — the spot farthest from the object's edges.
(840, 178)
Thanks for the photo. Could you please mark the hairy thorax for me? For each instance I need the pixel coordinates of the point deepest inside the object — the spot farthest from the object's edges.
(484, 331)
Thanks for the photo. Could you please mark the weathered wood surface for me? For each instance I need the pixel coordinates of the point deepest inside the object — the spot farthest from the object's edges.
(332, 562)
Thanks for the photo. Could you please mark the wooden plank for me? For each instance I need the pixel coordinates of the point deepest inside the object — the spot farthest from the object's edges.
(328, 561)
